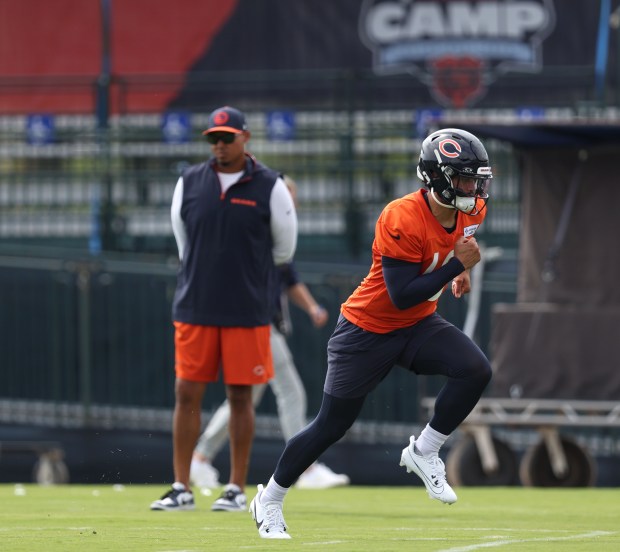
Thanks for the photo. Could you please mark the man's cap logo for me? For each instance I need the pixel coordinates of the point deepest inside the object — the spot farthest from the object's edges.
(220, 118)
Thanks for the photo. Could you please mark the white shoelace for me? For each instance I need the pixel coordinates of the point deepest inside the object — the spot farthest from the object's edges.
(438, 469)
(274, 517)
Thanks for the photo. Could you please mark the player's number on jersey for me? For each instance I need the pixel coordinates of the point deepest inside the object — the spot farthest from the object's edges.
(433, 266)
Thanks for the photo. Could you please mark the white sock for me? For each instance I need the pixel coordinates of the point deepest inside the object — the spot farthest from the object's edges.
(273, 492)
(429, 442)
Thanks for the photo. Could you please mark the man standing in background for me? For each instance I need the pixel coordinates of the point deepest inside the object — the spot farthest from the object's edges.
(233, 220)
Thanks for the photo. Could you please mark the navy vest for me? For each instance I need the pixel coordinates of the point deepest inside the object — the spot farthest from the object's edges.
(227, 274)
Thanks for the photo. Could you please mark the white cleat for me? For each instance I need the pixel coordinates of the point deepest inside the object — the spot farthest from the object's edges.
(431, 471)
(268, 517)
(319, 476)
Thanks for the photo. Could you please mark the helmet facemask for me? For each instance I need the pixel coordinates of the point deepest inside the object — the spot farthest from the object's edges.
(447, 157)
(472, 202)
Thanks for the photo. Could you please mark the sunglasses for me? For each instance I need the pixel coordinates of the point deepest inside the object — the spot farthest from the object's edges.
(226, 137)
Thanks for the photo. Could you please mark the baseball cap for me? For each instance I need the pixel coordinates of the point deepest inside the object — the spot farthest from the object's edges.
(226, 119)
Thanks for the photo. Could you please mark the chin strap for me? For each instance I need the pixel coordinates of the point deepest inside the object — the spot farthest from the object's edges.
(467, 209)
(446, 205)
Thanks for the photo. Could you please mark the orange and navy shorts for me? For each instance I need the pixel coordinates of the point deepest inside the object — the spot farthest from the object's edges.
(243, 353)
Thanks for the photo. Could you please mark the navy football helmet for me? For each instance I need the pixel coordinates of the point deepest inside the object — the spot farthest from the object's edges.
(450, 153)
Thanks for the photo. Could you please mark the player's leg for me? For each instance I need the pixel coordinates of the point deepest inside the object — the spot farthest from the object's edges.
(450, 353)
(291, 402)
(357, 362)
(335, 417)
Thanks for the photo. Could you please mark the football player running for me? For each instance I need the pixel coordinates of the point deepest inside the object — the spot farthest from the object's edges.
(423, 241)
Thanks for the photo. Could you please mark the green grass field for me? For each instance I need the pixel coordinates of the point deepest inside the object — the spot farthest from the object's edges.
(374, 519)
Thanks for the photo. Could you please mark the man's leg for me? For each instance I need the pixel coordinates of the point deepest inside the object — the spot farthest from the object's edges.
(197, 357)
(241, 429)
(185, 430)
(246, 362)
(186, 426)
(202, 473)
(215, 434)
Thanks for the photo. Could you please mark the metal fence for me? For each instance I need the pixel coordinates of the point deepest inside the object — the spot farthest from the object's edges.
(87, 257)
(97, 332)
(111, 189)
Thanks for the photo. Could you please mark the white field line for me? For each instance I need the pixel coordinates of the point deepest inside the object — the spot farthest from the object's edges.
(318, 543)
(494, 529)
(323, 543)
(517, 541)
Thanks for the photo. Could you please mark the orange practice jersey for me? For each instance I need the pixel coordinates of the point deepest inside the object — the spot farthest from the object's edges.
(406, 230)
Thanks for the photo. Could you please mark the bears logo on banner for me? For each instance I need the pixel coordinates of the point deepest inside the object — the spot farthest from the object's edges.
(456, 48)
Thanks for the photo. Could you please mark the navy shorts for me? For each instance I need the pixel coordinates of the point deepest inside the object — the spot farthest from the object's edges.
(357, 360)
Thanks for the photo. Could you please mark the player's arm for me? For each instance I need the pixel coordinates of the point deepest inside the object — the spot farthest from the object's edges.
(283, 223)
(406, 285)
(301, 296)
(178, 226)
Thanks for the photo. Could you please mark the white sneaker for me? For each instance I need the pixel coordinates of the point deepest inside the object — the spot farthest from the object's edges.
(202, 474)
(319, 476)
(430, 470)
(178, 498)
(268, 517)
(232, 499)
